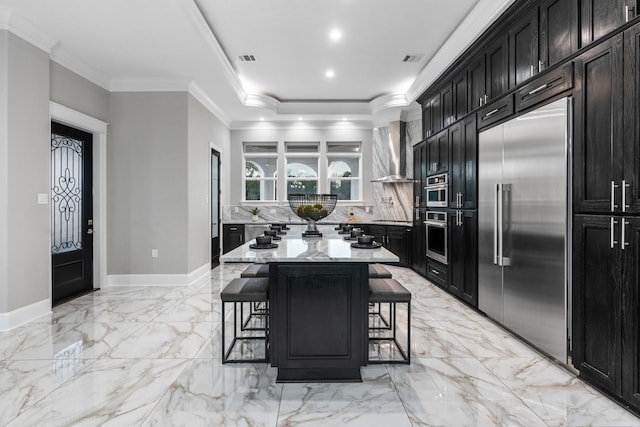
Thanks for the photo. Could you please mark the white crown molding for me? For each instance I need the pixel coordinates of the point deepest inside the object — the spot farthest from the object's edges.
(326, 123)
(208, 103)
(24, 29)
(474, 24)
(149, 85)
(73, 63)
(388, 101)
(200, 25)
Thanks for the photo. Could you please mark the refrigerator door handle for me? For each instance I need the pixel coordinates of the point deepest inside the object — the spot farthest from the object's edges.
(497, 227)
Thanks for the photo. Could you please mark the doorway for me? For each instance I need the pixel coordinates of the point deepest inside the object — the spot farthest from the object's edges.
(215, 208)
(71, 212)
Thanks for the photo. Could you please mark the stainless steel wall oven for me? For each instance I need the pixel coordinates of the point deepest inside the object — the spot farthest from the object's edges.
(438, 190)
(436, 238)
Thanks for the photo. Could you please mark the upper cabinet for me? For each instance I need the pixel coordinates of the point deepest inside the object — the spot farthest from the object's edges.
(523, 49)
(598, 128)
(460, 95)
(601, 17)
(496, 68)
(431, 115)
(558, 31)
(476, 82)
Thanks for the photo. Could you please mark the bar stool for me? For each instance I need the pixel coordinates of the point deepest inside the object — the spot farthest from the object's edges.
(377, 271)
(256, 308)
(391, 291)
(240, 291)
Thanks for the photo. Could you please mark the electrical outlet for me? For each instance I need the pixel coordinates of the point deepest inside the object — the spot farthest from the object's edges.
(154, 253)
(272, 211)
(366, 209)
(236, 210)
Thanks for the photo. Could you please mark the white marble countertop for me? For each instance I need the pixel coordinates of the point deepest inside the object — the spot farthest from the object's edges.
(331, 247)
(300, 222)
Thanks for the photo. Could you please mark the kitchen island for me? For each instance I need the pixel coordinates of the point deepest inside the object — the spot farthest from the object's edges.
(318, 295)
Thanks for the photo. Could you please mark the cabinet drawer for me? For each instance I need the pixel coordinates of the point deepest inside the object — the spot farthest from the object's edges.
(495, 111)
(553, 83)
(437, 273)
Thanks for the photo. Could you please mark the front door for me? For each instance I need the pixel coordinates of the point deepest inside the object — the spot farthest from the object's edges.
(215, 208)
(71, 212)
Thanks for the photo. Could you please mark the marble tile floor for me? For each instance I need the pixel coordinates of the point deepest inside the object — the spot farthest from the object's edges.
(150, 356)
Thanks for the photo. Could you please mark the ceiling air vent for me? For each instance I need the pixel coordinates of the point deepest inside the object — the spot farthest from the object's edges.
(247, 58)
(412, 58)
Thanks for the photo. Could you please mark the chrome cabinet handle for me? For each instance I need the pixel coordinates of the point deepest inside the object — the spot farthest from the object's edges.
(532, 70)
(613, 196)
(623, 241)
(613, 241)
(538, 89)
(90, 231)
(436, 272)
(492, 112)
(624, 195)
(627, 13)
(540, 65)
(480, 101)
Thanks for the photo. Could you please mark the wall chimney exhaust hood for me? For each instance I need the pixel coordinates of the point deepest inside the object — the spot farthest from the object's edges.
(397, 155)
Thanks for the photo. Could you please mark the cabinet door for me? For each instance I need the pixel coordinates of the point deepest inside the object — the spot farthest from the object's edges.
(232, 236)
(631, 298)
(462, 170)
(418, 249)
(523, 49)
(436, 113)
(456, 172)
(438, 153)
(600, 17)
(463, 244)
(597, 301)
(558, 34)
(379, 233)
(427, 123)
(460, 95)
(598, 128)
(446, 102)
(419, 173)
(476, 83)
(631, 173)
(399, 242)
(432, 155)
(497, 70)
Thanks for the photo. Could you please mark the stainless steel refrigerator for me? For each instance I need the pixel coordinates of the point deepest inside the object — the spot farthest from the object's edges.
(522, 225)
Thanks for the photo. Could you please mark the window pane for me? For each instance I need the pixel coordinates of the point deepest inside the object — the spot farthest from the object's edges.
(343, 147)
(302, 187)
(302, 147)
(260, 147)
(260, 167)
(346, 189)
(343, 167)
(302, 168)
(260, 189)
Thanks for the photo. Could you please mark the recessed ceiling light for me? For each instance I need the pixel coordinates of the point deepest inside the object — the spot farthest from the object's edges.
(262, 119)
(299, 118)
(344, 119)
(330, 74)
(335, 34)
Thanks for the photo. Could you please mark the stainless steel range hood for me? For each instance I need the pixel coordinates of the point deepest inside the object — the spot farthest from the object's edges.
(397, 155)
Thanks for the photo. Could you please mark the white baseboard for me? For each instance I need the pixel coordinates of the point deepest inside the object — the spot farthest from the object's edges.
(158, 279)
(24, 315)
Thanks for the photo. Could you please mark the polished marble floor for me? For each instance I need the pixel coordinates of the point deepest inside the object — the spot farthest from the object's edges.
(150, 356)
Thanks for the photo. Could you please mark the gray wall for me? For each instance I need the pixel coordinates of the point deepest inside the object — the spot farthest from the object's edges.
(204, 129)
(239, 136)
(76, 92)
(24, 139)
(147, 169)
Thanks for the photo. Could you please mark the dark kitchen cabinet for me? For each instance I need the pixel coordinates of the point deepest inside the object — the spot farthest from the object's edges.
(476, 83)
(232, 236)
(597, 304)
(558, 31)
(460, 95)
(630, 183)
(463, 255)
(395, 238)
(598, 127)
(437, 273)
(463, 157)
(601, 17)
(547, 85)
(497, 68)
(447, 104)
(431, 115)
(631, 316)
(438, 153)
(523, 49)
(418, 247)
(420, 174)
